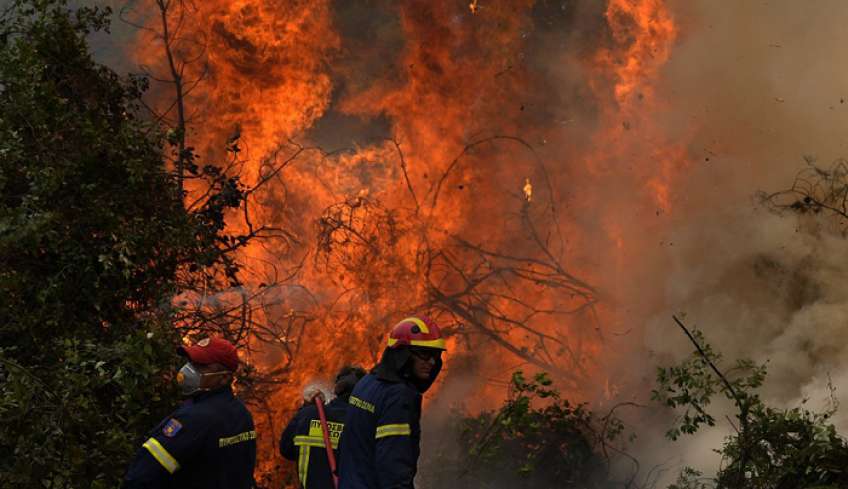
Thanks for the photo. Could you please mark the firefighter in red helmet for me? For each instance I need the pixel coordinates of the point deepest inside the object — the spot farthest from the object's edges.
(380, 444)
(209, 442)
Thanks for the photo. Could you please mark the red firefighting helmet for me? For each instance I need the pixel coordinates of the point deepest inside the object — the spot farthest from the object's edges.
(417, 331)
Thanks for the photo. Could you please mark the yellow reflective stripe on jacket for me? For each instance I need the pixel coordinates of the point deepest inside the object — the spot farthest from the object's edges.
(303, 464)
(314, 441)
(241, 437)
(357, 402)
(161, 455)
(393, 430)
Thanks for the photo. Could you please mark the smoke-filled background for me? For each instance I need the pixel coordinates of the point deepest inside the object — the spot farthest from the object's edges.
(764, 89)
(550, 179)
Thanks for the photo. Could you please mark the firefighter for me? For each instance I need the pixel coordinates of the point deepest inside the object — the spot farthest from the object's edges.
(303, 438)
(380, 444)
(209, 441)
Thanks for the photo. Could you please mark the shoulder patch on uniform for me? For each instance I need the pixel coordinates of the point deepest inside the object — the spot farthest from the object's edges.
(171, 428)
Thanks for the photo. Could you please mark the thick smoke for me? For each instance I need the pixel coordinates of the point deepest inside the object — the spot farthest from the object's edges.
(759, 86)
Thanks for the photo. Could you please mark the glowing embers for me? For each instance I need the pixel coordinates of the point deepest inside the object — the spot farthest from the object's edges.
(528, 190)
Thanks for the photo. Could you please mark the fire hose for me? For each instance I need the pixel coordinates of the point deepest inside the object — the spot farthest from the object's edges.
(331, 457)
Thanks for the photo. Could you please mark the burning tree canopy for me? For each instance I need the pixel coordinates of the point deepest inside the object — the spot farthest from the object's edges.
(417, 157)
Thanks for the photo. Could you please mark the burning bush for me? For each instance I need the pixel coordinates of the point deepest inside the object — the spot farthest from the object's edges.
(536, 439)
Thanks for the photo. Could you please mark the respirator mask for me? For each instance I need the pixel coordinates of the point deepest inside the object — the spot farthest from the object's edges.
(190, 379)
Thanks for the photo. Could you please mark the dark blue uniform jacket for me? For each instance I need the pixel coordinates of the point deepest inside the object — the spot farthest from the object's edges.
(303, 440)
(380, 444)
(209, 443)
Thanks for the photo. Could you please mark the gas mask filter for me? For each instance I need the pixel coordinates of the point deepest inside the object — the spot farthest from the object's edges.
(190, 379)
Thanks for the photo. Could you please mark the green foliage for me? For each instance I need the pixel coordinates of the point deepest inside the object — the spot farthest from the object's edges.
(93, 237)
(771, 448)
(536, 439)
(75, 424)
(786, 449)
(690, 478)
(692, 384)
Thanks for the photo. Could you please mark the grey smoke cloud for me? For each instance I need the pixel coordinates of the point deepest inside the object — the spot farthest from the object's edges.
(764, 84)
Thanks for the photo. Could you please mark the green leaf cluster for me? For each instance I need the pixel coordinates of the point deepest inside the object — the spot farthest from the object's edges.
(691, 386)
(771, 448)
(786, 448)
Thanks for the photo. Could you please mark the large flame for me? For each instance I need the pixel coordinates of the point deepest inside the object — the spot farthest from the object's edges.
(642, 34)
(448, 148)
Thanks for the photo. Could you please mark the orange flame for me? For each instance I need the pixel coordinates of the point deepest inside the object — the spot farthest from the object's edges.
(442, 89)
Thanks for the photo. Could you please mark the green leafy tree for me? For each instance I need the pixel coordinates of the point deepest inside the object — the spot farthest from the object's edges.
(771, 448)
(94, 243)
